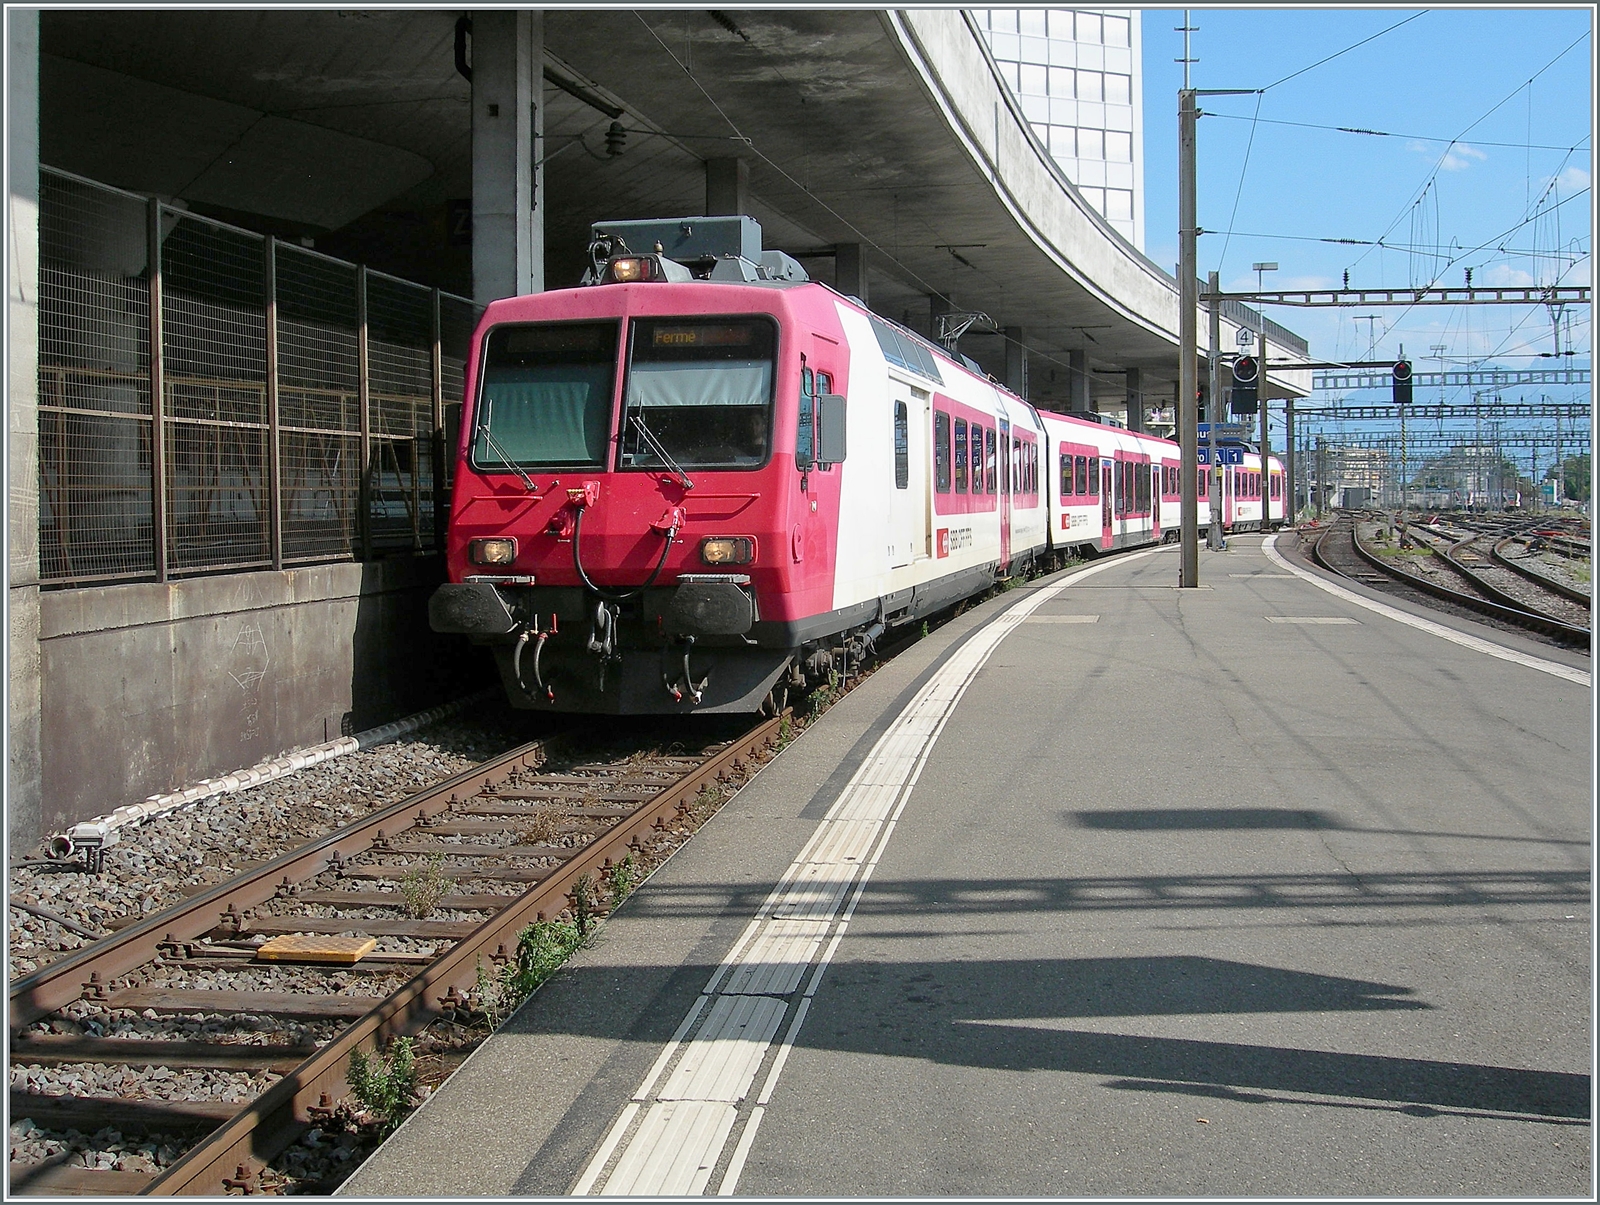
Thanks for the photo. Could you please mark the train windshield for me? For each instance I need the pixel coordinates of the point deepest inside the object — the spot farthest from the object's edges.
(546, 396)
(701, 389)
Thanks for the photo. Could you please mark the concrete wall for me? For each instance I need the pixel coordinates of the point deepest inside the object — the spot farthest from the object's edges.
(148, 687)
(22, 420)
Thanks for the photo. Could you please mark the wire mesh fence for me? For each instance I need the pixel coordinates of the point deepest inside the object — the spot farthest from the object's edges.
(263, 452)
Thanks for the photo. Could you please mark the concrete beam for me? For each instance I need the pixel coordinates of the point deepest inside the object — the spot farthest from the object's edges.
(727, 187)
(507, 142)
(850, 271)
(24, 689)
(1016, 362)
(1135, 400)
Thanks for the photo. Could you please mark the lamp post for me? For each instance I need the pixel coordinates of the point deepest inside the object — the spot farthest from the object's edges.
(1261, 393)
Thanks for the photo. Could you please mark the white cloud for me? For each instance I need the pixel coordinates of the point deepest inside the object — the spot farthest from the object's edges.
(1504, 276)
(1574, 179)
(1460, 157)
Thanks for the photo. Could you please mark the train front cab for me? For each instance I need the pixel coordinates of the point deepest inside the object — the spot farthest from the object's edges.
(641, 523)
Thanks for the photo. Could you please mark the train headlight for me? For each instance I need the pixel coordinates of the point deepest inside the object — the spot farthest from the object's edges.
(727, 550)
(627, 269)
(500, 550)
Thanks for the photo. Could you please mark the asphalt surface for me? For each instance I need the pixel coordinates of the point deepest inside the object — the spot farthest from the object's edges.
(1183, 902)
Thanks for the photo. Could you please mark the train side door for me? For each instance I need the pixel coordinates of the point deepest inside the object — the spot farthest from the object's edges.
(909, 531)
(903, 505)
(1004, 453)
(1106, 532)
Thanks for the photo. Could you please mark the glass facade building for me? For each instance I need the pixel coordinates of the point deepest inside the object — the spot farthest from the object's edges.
(1075, 73)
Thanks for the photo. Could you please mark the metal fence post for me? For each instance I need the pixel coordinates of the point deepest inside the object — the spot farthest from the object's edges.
(158, 428)
(440, 451)
(363, 399)
(274, 448)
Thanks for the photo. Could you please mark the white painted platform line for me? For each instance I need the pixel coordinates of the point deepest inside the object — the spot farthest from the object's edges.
(1063, 619)
(1475, 643)
(674, 1148)
(1311, 619)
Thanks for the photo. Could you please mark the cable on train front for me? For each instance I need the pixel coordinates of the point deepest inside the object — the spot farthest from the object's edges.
(573, 552)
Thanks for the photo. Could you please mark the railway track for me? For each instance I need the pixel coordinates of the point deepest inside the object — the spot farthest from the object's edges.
(269, 982)
(1342, 550)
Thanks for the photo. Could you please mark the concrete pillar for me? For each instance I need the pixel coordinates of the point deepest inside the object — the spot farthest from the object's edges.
(850, 271)
(24, 791)
(1135, 401)
(507, 141)
(1016, 363)
(727, 187)
(1078, 382)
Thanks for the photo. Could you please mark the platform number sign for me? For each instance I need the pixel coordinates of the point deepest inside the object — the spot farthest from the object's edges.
(458, 223)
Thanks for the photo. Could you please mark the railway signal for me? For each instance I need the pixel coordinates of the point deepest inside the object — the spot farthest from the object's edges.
(1400, 374)
(1246, 378)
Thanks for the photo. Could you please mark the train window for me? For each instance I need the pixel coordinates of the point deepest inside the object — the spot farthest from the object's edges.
(1091, 476)
(1081, 476)
(989, 459)
(977, 459)
(701, 390)
(546, 396)
(1066, 475)
(804, 440)
(1141, 490)
(941, 451)
(902, 448)
(961, 455)
(1004, 462)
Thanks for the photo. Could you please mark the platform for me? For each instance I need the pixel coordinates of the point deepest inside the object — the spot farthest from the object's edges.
(1104, 888)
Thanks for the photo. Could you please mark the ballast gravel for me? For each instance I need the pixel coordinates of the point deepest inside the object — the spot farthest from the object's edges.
(163, 861)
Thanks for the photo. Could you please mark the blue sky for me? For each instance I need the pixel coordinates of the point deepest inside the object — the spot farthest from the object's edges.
(1425, 83)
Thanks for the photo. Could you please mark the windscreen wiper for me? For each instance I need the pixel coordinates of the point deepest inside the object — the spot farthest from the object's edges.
(656, 446)
(495, 446)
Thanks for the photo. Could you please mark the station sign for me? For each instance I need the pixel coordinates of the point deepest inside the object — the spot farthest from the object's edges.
(1224, 455)
(1224, 430)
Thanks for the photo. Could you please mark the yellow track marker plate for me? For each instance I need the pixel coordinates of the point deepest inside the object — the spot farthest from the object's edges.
(295, 947)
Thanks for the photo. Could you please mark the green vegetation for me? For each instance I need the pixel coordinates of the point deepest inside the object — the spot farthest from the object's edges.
(621, 879)
(424, 886)
(386, 1087)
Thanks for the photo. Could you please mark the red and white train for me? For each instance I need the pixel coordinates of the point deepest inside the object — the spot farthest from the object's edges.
(702, 479)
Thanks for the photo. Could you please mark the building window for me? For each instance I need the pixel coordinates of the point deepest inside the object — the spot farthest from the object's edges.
(1119, 146)
(1090, 86)
(1089, 29)
(1116, 31)
(1117, 88)
(1034, 80)
(1091, 144)
(1119, 205)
